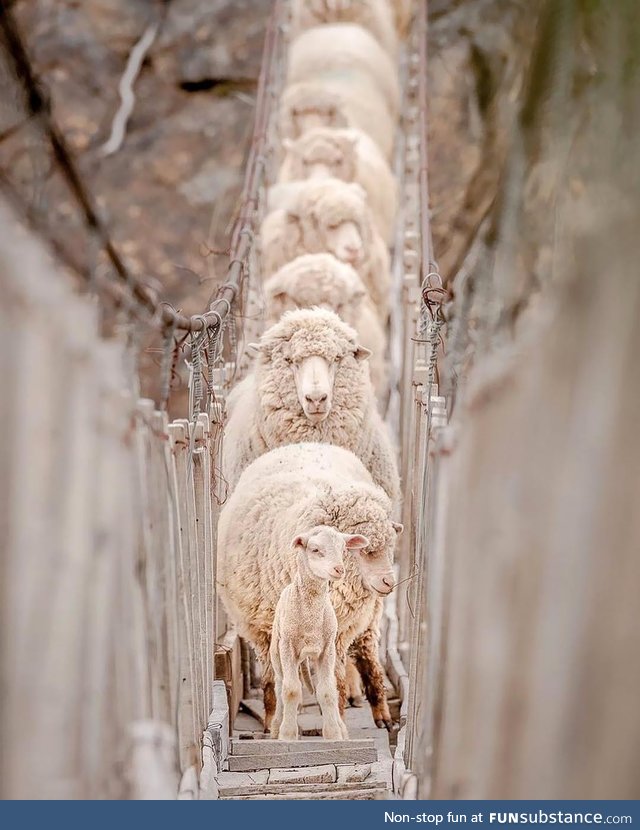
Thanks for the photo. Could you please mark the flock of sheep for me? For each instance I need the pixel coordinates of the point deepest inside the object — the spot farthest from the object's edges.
(306, 539)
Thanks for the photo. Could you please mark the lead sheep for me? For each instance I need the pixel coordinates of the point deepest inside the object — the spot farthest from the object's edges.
(336, 102)
(329, 216)
(292, 489)
(305, 628)
(374, 15)
(342, 51)
(349, 155)
(309, 383)
(323, 281)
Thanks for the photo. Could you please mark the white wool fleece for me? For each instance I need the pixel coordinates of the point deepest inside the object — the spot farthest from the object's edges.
(264, 411)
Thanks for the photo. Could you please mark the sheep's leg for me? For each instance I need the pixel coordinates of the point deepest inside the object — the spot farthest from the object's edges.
(262, 647)
(333, 727)
(341, 676)
(354, 686)
(364, 652)
(291, 694)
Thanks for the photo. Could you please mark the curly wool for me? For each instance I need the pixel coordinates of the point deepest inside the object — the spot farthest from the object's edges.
(265, 412)
(323, 281)
(336, 103)
(286, 492)
(374, 15)
(302, 229)
(342, 51)
(352, 156)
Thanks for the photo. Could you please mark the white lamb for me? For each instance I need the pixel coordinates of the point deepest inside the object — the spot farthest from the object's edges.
(337, 102)
(289, 491)
(305, 628)
(309, 383)
(321, 280)
(349, 155)
(329, 216)
(341, 51)
(374, 15)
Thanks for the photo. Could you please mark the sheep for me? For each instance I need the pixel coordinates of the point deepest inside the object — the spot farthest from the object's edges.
(346, 154)
(323, 281)
(309, 383)
(289, 490)
(305, 628)
(374, 15)
(330, 102)
(329, 216)
(342, 51)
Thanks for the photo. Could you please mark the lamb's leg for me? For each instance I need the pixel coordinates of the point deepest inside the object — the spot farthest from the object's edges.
(364, 651)
(341, 675)
(354, 686)
(291, 695)
(333, 727)
(277, 670)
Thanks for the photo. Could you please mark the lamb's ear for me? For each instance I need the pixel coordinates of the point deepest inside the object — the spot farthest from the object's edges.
(301, 541)
(397, 527)
(253, 349)
(355, 542)
(361, 353)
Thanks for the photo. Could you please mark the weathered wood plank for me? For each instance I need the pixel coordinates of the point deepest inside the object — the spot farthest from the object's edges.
(266, 789)
(352, 794)
(271, 747)
(351, 755)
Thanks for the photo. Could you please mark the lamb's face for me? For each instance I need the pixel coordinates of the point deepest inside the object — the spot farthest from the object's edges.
(324, 549)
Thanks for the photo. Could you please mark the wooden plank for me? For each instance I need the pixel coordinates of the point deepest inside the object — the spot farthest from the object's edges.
(352, 794)
(266, 789)
(352, 755)
(270, 747)
(228, 667)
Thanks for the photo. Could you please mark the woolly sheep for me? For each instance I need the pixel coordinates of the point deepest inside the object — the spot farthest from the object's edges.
(305, 628)
(341, 51)
(321, 280)
(346, 154)
(309, 383)
(346, 102)
(329, 216)
(374, 15)
(288, 490)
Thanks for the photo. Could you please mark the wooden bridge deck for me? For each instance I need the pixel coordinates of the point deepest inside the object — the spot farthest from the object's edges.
(310, 768)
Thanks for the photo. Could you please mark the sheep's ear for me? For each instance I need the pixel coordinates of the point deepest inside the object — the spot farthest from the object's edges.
(361, 353)
(355, 542)
(253, 349)
(397, 527)
(301, 541)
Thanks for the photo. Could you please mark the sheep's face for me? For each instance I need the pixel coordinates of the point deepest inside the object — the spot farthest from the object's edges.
(306, 108)
(314, 377)
(344, 240)
(320, 154)
(323, 549)
(316, 280)
(376, 561)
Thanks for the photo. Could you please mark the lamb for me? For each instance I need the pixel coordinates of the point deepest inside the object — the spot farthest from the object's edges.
(345, 102)
(305, 628)
(346, 154)
(309, 383)
(374, 15)
(286, 492)
(329, 216)
(341, 51)
(323, 281)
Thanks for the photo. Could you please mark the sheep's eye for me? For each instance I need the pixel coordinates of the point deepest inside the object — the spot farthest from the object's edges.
(316, 550)
(288, 360)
